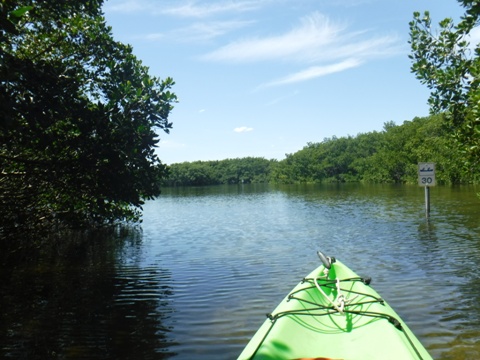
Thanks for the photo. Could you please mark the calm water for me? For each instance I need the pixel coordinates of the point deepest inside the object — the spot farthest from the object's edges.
(196, 279)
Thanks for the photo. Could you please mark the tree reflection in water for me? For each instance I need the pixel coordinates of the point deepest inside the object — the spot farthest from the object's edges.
(87, 298)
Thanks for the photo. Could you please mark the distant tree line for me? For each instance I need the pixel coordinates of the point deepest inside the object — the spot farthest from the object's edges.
(388, 156)
(229, 171)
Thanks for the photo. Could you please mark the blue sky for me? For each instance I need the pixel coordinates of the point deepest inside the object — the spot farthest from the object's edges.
(265, 77)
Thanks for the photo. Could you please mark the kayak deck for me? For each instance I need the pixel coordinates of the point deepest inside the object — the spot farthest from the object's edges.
(334, 314)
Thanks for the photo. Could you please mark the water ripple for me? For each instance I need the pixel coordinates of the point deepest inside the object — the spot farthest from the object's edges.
(234, 257)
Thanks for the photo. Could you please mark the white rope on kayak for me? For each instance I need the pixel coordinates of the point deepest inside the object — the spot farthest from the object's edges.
(339, 302)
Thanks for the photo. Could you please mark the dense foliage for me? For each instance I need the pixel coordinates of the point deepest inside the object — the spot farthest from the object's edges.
(449, 65)
(389, 156)
(78, 115)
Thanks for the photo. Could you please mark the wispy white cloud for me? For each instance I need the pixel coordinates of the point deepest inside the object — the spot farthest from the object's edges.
(187, 8)
(202, 31)
(242, 129)
(314, 31)
(154, 37)
(350, 3)
(207, 9)
(320, 44)
(316, 39)
(125, 6)
(314, 72)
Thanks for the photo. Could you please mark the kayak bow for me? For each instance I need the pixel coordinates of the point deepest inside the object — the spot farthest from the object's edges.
(334, 314)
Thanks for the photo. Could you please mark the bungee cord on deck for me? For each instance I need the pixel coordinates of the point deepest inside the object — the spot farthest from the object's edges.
(341, 304)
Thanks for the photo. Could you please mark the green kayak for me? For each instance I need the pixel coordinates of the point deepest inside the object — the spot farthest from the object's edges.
(334, 314)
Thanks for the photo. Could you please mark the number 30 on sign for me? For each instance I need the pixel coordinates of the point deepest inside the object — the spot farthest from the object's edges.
(426, 174)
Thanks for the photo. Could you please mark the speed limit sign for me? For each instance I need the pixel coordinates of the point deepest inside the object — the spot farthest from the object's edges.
(426, 174)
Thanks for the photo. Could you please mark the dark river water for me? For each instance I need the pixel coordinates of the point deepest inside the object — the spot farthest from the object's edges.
(195, 280)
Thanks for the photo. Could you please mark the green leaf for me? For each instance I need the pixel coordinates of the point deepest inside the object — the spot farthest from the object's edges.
(18, 13)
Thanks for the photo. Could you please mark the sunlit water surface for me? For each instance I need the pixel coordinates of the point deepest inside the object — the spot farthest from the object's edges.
(196, 280)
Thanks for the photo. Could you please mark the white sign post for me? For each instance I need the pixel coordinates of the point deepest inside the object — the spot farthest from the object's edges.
(426, 177)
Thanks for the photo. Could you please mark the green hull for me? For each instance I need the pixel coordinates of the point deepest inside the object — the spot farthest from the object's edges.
(324, 318)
